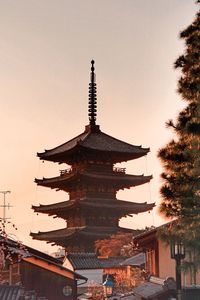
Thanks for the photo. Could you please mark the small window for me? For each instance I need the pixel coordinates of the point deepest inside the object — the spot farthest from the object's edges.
(67, 290)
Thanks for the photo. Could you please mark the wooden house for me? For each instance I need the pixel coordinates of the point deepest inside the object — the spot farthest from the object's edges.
(158, 257)
(85, 264)
(124, 271)
(40, 272)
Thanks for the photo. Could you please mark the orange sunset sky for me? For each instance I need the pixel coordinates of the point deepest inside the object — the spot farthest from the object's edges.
(45, 52)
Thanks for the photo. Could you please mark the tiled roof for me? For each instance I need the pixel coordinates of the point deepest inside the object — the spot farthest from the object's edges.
(111, 262)
(136, 260)
(93, 140)
(129, 297)
(104, 142)
(10, 292)
(84, 261)
(146, 233)
(28, 252)
(119, 181)
(149, 234)
(91, 261)
(115, 205)
(156, 287)
(16, 292)
(148, 290)
(63, 235)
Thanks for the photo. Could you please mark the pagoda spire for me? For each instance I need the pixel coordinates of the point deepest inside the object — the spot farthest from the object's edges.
(92, 107)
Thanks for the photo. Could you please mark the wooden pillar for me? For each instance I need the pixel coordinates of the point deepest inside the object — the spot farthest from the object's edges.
(10, 274)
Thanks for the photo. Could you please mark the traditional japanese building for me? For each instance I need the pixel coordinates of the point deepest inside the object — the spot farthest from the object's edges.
(92, 182)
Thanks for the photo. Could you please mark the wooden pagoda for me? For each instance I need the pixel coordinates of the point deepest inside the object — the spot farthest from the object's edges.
(92, 211)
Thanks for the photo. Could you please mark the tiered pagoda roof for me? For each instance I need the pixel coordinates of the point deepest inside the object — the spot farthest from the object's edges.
(118, 181)
(93, 142)
(92, 211)
(112, 206)
(67, 236)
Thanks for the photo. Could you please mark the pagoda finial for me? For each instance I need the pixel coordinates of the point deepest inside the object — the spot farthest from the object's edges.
(92, 107)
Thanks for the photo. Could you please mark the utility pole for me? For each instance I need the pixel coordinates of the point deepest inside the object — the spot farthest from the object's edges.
(4, 209)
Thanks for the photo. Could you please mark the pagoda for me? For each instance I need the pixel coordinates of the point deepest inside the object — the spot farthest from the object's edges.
(92, 182)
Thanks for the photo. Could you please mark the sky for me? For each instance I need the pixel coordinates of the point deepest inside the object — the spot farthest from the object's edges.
(45, 52)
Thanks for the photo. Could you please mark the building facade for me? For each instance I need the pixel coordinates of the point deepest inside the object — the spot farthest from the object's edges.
(158, 257)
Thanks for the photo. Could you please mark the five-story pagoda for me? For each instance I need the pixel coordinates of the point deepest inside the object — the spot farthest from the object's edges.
(92, 211)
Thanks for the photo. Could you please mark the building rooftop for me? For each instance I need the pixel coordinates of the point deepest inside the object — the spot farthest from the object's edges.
(64, 235)
(61, 208)
(27, 253)
(156, 288)
(10, 292)
(97, 141)
(136, 260)
(111, 262)
(91, 261)
(66, 182)
(81, 261)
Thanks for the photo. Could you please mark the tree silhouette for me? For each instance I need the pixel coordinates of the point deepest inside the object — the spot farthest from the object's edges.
(181, 156)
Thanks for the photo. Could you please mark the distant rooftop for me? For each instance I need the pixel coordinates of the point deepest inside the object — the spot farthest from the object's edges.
(91, 261)
(84, 261)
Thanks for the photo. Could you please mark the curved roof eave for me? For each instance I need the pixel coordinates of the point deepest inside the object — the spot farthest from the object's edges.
(94, 141)
(124, 178)
(56, 208)
(67, 233)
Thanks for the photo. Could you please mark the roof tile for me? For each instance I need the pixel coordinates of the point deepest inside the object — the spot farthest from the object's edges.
(84, 261)
(99, 141)
(10, 292)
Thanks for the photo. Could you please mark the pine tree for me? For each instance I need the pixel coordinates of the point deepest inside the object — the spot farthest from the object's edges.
(181, 156)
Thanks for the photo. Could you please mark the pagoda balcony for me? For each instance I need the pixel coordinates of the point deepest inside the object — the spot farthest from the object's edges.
(119, 170)
(71, 170)
(66, 171)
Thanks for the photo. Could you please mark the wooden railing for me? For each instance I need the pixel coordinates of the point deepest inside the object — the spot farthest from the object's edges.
(66, 171)
(119, 170)
(115, 169)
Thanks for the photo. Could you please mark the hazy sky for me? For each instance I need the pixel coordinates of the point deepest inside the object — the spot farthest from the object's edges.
(45, 52)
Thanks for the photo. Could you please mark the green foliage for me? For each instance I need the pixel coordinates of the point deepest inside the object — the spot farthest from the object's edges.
(181, 157)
